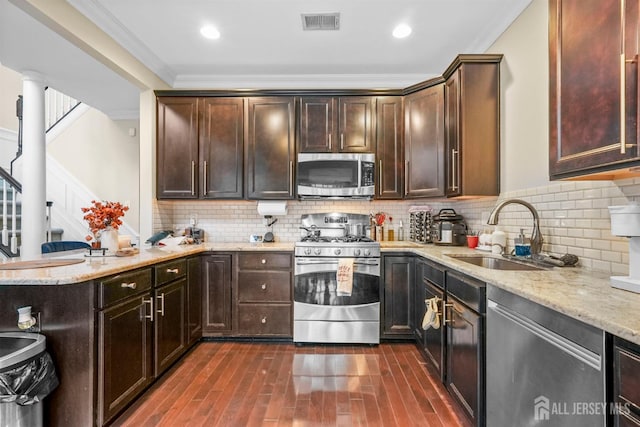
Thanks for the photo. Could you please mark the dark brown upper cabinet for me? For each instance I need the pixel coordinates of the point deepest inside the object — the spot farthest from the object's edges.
(270, 154)
(593, 88)
(200, 148)
(472, 129)
(177, 157)
(389, 147)
(424, 143)
(221, 127)
(336, 124)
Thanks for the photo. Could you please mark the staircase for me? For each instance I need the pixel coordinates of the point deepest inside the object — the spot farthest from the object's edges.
(57, 106)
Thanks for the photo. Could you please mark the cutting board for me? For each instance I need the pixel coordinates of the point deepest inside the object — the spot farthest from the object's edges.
(38, 263)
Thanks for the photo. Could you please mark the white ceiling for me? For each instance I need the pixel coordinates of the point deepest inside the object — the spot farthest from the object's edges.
(262, 44)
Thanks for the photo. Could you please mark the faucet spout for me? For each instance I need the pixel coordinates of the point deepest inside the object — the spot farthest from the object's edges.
(536, 235)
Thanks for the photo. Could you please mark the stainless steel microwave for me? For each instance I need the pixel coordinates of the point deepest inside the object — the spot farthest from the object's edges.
(336, 175)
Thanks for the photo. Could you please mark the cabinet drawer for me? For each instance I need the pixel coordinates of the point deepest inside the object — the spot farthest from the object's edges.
(264, 319)
(273, 286)
(121, 286)
(169, 271)
(627, 375)
(263, 261)
(433, 274)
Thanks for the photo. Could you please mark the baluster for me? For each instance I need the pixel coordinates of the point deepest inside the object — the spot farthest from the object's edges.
(5, 231)
(14, 222)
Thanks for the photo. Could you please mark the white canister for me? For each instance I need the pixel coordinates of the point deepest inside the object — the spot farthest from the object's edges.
(498, 241)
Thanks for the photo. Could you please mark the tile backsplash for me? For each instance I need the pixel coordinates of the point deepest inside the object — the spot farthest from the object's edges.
(573, 218)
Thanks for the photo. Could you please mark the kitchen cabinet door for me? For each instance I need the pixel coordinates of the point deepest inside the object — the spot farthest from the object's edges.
(194, 300)
(124, 355)
(389, 147)
(355, 116)
(270, 150)
(465, 358)
(216, 276)
(221, 128)
(424, 143)
(317, 124)
(626, 382)
(177, 142)
(170, 327)
(472, 131)
(593, 87)
(398, 297)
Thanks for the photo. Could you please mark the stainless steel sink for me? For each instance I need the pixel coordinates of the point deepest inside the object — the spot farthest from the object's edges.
(16, 347)
(494, 263)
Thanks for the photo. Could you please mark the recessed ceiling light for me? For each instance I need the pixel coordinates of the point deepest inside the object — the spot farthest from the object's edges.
(210, 32)
(401, 31)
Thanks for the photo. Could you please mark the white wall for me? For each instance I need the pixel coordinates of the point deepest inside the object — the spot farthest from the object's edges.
(100, 152)
(10, 88)
(524, 75)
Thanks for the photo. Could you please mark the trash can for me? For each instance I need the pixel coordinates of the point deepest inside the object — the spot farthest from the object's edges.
(27, 376)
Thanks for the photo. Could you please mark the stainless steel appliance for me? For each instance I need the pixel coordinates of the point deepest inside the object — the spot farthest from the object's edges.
(336, 175)
(320, 313)
(448, 228)
(543, 366)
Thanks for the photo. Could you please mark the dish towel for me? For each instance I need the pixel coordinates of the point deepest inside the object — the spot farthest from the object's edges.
(431, 318)
(344, 277)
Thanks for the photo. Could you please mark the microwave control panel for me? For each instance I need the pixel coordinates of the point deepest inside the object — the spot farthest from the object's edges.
(368, 174)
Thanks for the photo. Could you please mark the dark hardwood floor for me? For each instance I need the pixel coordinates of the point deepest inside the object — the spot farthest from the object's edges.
(280, 384)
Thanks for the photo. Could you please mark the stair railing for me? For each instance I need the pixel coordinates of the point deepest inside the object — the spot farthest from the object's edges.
(57, 105)
(12, 187)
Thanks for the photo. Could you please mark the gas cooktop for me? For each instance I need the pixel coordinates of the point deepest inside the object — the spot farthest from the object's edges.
(344, 239)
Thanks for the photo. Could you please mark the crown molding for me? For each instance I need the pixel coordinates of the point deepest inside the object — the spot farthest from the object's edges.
(104, 19)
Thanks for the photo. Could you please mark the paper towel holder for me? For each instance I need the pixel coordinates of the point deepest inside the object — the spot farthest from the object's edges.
(272, 207)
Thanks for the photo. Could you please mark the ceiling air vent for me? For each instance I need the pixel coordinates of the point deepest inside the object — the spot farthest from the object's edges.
(320, 21)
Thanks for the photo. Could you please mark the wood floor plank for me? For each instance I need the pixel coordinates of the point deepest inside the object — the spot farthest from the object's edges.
(280, 384)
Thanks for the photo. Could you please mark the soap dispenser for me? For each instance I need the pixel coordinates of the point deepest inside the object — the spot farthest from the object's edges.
(523, 244)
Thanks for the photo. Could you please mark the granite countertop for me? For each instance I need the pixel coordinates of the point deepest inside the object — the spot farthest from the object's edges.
(582, 294)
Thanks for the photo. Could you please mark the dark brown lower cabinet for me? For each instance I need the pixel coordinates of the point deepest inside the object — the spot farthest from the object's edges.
(430, 284)
(194, 300)
(626, 383)
(216, 285)
(398, 298)
(170, 324)
(124, 354)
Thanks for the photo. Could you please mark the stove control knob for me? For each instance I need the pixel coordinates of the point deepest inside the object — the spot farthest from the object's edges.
(307, 251)
(356, 252)
(367, 252)
(317, 251)
(337, 251)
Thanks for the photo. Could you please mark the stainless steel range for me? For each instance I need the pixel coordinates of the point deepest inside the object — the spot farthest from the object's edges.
(329, 307)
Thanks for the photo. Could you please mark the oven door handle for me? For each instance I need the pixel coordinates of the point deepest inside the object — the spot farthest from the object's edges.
(312, 261)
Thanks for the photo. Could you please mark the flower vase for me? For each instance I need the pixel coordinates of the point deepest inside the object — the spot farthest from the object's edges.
(109, 239)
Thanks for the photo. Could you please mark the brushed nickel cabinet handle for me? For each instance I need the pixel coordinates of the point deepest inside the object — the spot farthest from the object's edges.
(131, 285)
(161, 308)
(406, 177)
(445, 318)
(454, 176)
(263, 320)
(291, 178)
(263, 286)
(623, 101)
(342, 141)
(193, 178)
(204, 179)
(150, 302)
(173, 270)
(380, 177)
(329, 142)
(263, 261)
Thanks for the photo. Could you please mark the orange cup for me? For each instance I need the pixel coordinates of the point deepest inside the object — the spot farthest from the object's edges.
(472, 241)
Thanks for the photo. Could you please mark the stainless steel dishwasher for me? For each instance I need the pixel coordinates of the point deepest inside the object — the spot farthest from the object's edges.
(543, 368)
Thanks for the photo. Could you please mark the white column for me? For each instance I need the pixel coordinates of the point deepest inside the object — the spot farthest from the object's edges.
(34, 182)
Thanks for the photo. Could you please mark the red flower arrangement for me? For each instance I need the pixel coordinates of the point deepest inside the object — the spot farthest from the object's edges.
(102, 215)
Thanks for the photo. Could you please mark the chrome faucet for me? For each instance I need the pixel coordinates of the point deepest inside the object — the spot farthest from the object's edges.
(536, 236)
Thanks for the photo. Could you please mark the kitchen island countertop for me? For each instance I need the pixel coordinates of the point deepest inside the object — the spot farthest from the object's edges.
(582, 294)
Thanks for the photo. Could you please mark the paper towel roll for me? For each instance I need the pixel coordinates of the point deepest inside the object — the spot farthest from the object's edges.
(272, 207)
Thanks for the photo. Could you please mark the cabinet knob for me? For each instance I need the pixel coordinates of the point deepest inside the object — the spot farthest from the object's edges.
(131, 285)
(264, 261)
(263, 286)
(263, 320)
(173, 270)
